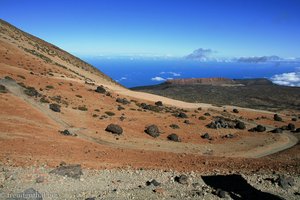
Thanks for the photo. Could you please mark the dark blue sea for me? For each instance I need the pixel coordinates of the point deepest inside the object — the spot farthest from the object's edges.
(141, 72)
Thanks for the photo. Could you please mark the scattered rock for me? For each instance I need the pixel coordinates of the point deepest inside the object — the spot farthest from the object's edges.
(120, 108)
(240, 125)
(100, 89)
(174, 126)
(72, 171)
(91, 198)
(294, 119)
(187, 121)
(291, 127)
(277, 118)
(174, 137)
(3, 89)
(205, 136)
(109, 113)
(54, 107)
(44, 100)
(182, 115)
(207, 114)
(258, 128)
(122, 101)
(31, 91)
(221, 122)
(114, 129)
(221, 193)
(297, 130)
(235, 110)
(159, 103)
(122, 118)
(277, 130)
(202, 118)
(152, 130)
(67, 133)
(182, 179)
(153, 182)
(82, 108)
(228, 136)
(285, 182)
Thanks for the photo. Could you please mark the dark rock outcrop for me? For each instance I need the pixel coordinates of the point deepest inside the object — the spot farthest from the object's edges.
(277, 118)
(182, 179)
(123, 101)
(100, 89)
(159, 103)
(174, 137)
(54, 107)
(258, 128)
(114, 129)
(152, 130)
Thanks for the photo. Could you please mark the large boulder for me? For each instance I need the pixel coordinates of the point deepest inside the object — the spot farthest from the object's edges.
(277, 130)
(182, 179)
(122, 101)
(240, 125)
(258, 128)
(182, 115)
(277, 118)
(3, 89)
(174, 137)
(31, 91)
(54, 107)
(114, 129)
(100, 89)
(159, 103)
(152, 130)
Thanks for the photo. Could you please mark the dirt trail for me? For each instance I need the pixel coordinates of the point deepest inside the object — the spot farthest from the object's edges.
(18, 91)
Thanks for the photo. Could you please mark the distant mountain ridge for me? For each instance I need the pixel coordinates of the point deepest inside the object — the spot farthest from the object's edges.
(219, 81)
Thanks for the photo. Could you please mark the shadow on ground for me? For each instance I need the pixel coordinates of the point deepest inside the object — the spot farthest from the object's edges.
(237, 187)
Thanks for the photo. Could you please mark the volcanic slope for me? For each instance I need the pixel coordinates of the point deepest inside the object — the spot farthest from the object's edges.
(45, 91)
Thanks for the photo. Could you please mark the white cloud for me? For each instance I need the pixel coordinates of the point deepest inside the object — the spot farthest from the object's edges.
(158, 78)
(121, 79)
(172, 73)
(288, 79)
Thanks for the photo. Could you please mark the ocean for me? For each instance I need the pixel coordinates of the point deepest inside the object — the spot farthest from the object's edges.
(141, 72)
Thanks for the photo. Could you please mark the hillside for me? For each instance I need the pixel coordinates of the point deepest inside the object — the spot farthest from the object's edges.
(71, 132)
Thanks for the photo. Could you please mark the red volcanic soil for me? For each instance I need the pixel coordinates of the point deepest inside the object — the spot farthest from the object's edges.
(30, 131)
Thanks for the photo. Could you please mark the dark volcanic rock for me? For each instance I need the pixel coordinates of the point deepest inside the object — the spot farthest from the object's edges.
(297, 130)
(152, 130)
(3, 89)
(202, 118)
(235, 110)
(291, 126)
(174, 137)
(182, 179)
(54, 107)
(221, 122)
(277, 130)
(221, 193)
(205, 136)
(207, 114)
(228, 136)
(258, 128)
(159, 103)
(31, 91)
(240, 125)
(100, 89)
(122, 101)
(174, 126)
(187, 121)
(277, 118)
(114, 129)
(182, 115)
(285, 182)
(153, 182)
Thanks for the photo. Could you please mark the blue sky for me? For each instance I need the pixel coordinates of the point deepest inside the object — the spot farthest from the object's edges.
(162, 27)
